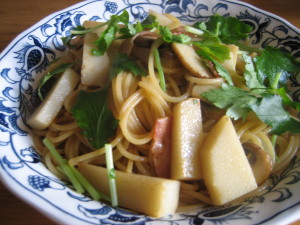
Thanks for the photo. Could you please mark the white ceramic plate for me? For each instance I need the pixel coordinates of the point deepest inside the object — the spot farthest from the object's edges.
(24, 60)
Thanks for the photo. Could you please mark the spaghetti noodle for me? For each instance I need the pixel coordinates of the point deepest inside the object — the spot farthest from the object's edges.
(137, 102)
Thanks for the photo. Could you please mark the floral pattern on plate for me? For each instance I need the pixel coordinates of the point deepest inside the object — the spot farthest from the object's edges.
(21, 65)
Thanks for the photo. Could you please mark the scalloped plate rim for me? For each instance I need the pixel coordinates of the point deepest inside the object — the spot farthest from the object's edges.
(9, 183)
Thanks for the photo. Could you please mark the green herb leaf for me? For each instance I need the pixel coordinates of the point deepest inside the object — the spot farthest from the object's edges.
(105, 40)
(214, 48)
(168, 36)
(123, 63)
(266, 77)
(268, 107)
(287, 99)
(49, 75)
(228, 29)
(109, 34)
(94, 117)
(271, 111)
(275, 66)
(236, 100)
(130, 30)
(150, 22)
(250, 74)
(221, 70)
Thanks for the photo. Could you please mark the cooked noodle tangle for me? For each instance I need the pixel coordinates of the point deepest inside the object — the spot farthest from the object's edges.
(137, 102)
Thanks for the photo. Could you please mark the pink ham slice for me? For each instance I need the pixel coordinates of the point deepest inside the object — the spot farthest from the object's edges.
(161, 146)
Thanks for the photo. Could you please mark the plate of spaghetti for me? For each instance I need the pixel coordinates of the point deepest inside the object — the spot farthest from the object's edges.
(154, 112)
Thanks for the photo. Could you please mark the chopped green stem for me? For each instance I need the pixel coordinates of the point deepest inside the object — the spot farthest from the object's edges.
(161, 75)
(276, 81)
(111, 175)
(63, 165)
(273, 140)
(95, 194)
(89, 30)
(218, 28)
(194, 30)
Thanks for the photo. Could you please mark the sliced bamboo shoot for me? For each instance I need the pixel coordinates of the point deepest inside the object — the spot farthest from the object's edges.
(94, 69)
(166, 19)
(191, 60)
(153, 196)
(226, 171)
(49, 108)
(230, 64)
(186, 140)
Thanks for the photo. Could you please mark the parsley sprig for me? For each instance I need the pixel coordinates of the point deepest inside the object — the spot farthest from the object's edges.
(266, 76)
(94, 117)
(228, 30)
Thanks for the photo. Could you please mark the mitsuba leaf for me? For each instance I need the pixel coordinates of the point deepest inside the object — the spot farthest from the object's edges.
(275, 66)
(168, 36)
(94, 117)
(105, 40)
(109, 34)
(235, 100)
(150, 22)
(214, 48)
(123, 63)
(221, 70)
(271, 111)
(250, 74)
(130, 30)
(228, 29)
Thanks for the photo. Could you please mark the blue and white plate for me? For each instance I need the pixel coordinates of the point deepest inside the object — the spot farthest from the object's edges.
(25, 59)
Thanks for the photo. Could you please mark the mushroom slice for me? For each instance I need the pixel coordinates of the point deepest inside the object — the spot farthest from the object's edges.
(141, 54)
(142, 39)
(145, 40)
(210, 112)
(260, 162)
(191, 60)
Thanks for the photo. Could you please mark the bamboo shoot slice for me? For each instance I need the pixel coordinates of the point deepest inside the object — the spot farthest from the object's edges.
(226, 171)
(230, 64)
(191, 60)
(49, 108)
(186, 140)
(166, 19)
(153, 196)
(94, 69)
